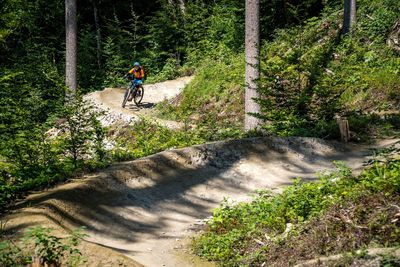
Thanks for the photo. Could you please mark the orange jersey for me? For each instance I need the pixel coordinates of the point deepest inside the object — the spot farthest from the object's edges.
(139, 74)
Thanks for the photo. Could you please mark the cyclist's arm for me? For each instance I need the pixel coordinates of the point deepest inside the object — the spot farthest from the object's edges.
(142, 74)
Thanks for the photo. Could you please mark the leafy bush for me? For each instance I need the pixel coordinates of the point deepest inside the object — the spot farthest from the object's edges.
(230, 236)
(213, 101)
(39, 246)
(37, 155)
(145, 138)
(81, 134)
(310, 73)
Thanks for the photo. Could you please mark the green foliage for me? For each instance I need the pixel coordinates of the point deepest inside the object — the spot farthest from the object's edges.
(39, 245)
(309, 74)
(114, 65)
(229, 236)
(145, 138)
(11, 255)
(213, 100)
(376, 18)
(82, 133)
(24, 150)
(35, 155)
(169, 71)
(389, 260)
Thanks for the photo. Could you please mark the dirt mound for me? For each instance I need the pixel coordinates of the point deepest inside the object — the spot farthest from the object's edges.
(146, 208)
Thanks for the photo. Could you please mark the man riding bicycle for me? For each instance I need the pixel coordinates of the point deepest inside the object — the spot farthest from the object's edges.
(137, 75)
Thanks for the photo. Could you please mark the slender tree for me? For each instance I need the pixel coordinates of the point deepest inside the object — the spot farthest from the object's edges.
(349, 18)
(71, 49)
(252, 40)
(98, 32)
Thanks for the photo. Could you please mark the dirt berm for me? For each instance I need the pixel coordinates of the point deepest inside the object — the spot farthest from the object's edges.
(144, 209)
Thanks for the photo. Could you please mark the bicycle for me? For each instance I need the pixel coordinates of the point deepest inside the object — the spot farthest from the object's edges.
(135, 91)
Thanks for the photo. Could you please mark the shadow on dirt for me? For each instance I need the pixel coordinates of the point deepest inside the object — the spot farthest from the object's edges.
(143, 105)
(146, 105)
(140, 199)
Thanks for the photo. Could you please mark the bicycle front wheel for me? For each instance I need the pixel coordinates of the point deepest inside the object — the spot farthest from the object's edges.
(138, 96)
(126, 96)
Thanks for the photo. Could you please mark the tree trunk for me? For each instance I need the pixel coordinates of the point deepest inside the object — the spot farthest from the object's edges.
(180, 3)
(98, 33)
(252, 63)
(71, 43)
(349, 19)
(182, 6)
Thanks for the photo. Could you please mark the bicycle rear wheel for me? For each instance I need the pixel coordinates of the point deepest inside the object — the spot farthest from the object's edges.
(138, 95)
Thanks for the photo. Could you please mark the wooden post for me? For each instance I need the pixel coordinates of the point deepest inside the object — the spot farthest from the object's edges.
(344, 128)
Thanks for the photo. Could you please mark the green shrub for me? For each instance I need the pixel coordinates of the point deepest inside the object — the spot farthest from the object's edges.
(213, 101)
(310, 73)
(229, 237)
(145, 138)
(81, 134)
(39, 245)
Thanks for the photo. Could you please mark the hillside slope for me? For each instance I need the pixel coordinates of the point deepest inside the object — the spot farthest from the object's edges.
(310, 74)
(144, 208)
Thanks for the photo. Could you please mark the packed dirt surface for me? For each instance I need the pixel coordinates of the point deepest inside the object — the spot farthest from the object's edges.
(110, 101)
(146, 209)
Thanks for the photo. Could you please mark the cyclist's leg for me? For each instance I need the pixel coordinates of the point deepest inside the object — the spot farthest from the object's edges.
(138, 82)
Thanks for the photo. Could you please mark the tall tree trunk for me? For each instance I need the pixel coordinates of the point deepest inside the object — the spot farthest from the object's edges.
(182, 6)
(180, 3)
(349, 18)
(252, 63)
(98, 33)
(71, 43)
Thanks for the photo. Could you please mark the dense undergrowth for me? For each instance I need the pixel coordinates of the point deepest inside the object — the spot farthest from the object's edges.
(338, 213)
(39, 247)
(145, 138)
(37, 156)
(213, 101)
(310, 74)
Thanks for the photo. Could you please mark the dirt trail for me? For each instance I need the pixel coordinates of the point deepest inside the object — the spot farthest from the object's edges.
(145, 209)
(110, 100)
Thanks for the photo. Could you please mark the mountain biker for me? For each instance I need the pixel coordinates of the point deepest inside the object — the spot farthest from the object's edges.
(137, 75)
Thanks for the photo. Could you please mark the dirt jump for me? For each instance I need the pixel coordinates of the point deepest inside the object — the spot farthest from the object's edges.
(143, 212)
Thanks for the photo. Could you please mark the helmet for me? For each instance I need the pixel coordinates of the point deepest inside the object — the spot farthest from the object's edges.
(136, 64)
